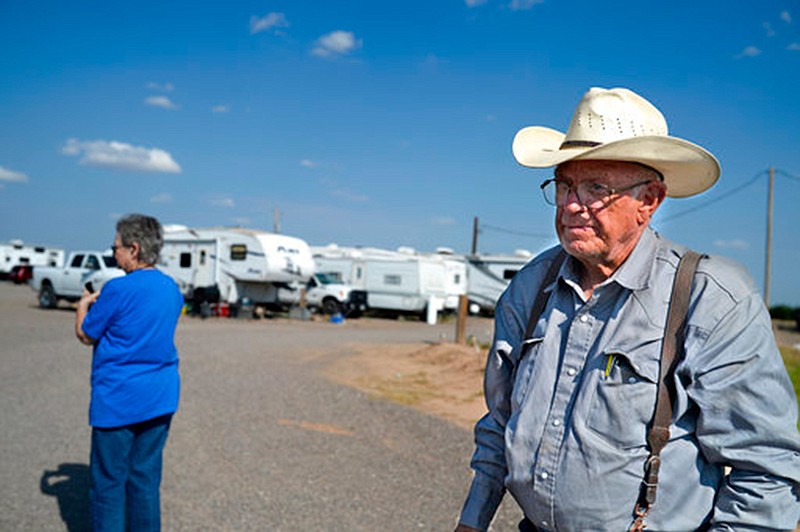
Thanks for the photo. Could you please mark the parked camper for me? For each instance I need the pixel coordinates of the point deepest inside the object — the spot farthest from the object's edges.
(399, 281)
(53, 283)
(17, 253)
(489, 275)
(233, 264)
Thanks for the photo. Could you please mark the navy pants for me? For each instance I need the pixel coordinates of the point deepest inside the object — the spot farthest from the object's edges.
(125, 469)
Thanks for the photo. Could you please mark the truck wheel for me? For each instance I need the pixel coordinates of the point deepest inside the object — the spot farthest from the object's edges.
(47, 297)
(330, 306)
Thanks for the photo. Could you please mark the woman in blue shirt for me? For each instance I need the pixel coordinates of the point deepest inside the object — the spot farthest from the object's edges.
(135, 382)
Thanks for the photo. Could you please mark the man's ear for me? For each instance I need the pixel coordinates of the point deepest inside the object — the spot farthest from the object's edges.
(651, 197)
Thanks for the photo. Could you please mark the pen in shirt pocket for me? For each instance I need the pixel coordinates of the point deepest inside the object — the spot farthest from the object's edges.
(609, 365)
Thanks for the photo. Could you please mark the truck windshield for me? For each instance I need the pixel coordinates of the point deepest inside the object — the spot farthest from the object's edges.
(329, 278)
(109, 261)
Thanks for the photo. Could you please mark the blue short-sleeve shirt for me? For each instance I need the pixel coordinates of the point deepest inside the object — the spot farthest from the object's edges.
(135, 362)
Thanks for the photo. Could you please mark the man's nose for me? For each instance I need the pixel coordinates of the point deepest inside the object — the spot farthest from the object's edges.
(572, 201)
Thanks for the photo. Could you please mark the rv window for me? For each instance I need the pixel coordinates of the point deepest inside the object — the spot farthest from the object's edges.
(38, 249)
(395, 280)
(109, 261)
(509, 274)
(77, 260)
(238, 252)
(186, 260)
(457, 279)
(358, 272)
(202, 257)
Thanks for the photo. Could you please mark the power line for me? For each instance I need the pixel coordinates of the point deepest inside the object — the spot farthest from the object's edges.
(715, 200)
(786, 174)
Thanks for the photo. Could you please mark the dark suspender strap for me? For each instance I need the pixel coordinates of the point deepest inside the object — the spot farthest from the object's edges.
(543, 295)
(671, 353)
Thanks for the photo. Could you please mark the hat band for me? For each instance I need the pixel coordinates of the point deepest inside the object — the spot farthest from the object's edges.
(578, 144)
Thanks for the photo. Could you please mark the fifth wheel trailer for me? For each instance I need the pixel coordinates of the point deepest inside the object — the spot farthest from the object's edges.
(234, 264)
(399, 281)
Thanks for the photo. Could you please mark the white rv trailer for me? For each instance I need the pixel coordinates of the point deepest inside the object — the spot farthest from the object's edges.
(16, 253)
(489, 275)
(401, 281)
(233, 263)
(456, 283)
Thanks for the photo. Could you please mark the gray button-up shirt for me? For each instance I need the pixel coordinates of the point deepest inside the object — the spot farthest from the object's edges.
(567, 423)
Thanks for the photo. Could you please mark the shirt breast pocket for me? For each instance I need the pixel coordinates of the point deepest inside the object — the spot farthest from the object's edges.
(625, 396)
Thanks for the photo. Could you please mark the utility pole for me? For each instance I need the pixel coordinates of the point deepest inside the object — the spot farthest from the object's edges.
(768, 262)
(276, 221)
(475, 235)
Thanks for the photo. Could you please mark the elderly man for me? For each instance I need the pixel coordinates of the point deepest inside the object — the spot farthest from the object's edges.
(571, 402)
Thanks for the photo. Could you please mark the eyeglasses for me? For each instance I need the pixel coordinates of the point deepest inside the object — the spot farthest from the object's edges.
(591, 194)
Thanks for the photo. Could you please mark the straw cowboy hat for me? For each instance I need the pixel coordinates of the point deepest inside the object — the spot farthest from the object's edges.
(619, 125)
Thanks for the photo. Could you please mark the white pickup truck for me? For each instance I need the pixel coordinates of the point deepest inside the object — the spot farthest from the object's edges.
(327, 294)
(68, 283)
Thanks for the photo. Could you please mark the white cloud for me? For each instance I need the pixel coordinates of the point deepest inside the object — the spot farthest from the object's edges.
(473, 3)
(224, 202)
(11, 175)
(163, 87)
(308, 163)
(795, 46)
(268, 22)
(160, 101)
(443, 220)
(768, 28)
(749, 51)
(336, 43)
(161, 198)
(786, 17)
(122, 156)
(736, 243)
(523, 5)
(220, 109)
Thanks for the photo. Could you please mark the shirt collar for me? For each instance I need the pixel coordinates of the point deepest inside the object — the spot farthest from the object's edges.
(634, 273)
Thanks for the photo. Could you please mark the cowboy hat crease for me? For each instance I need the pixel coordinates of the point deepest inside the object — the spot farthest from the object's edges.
(619, 125)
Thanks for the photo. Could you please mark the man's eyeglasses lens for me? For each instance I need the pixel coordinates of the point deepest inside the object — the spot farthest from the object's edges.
(590, 193)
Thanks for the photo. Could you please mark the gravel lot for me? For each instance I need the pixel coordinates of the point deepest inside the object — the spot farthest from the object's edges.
(263, 441)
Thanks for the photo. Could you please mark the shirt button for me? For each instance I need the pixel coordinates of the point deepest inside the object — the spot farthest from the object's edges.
(631, 380)
(556, 422)
(545, 524)
(544, 475)
(584, 318)
(571, 371)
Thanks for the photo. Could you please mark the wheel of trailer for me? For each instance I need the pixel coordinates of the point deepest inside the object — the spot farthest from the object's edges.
(47, 297)
(330, 306)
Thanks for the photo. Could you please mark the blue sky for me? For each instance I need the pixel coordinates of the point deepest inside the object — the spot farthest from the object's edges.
(383, 123)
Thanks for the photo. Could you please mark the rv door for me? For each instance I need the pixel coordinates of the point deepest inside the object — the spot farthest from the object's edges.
(205, 259)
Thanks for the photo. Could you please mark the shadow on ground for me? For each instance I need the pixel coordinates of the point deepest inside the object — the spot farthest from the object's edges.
(69, 484)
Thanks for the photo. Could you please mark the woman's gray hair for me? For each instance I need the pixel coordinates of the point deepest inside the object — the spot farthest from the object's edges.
(145, 231)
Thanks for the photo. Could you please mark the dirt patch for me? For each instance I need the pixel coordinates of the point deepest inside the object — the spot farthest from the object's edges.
(444, 379)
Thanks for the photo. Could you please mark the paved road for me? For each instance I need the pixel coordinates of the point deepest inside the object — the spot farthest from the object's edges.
(262, 441)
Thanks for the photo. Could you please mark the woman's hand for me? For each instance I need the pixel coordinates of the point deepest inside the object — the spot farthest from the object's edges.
(86, 301)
